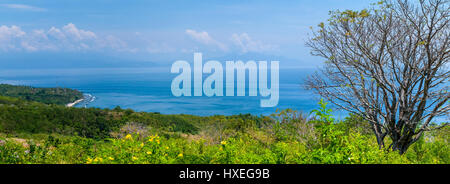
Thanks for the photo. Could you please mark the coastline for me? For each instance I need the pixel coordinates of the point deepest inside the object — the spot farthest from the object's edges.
(74, 103)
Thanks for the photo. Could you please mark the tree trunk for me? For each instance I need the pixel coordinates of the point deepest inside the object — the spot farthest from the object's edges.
(402, 143)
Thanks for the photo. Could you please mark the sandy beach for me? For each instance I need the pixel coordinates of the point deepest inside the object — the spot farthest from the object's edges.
(74, 103)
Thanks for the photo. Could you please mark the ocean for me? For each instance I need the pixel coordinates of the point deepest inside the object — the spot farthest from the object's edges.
(149, 90)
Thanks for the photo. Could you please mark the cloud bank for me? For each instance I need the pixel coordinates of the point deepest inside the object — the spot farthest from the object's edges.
(71, 38)
(66, 38)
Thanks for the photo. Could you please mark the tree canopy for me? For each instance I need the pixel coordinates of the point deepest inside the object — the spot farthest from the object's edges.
(388, 64)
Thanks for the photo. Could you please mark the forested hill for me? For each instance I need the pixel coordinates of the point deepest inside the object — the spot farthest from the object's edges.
(60, 96)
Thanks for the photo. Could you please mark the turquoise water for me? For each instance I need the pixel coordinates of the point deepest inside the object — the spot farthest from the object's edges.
(148, 89)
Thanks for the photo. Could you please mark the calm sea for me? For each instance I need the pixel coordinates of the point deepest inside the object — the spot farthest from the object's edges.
(148, 89)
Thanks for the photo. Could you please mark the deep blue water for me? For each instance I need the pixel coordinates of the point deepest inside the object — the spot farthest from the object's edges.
(148, 89)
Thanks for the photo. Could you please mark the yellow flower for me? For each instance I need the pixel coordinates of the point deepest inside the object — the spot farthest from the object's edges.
(89, 160)
(134, 158)
(128, 136)
(142, 144)
(157, 141)
(167, 148)
(150, 140)
(149, 152)
(180, 155)
(223, 142)
(110, 158)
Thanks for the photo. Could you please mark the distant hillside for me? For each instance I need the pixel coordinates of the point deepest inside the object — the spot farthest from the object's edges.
(28, 117)
(60, 96)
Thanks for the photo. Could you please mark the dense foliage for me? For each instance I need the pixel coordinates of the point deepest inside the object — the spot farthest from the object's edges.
(59, 96)
(33, 132)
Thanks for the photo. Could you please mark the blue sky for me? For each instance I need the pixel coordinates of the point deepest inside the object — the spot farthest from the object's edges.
(163, 30)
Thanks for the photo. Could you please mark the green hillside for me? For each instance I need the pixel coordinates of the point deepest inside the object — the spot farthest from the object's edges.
(59, 96)
(35, 132)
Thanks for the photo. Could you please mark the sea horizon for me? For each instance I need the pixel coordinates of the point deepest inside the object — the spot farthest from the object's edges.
(148, 90)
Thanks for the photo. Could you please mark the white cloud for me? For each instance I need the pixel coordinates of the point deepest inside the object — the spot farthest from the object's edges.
(247, 44)
(12, 31)
(205, 38)
(28, 47)
(242, 42)
(69, 38)
(56, 33)
(24, 7)
(78, 34)
(10, 37)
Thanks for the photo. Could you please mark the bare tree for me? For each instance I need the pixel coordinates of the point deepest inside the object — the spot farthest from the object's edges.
(388, 64)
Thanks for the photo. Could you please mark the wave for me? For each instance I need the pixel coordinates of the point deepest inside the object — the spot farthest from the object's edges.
(87, 99)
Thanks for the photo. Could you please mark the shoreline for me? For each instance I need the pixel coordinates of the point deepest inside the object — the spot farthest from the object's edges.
(74, 103)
